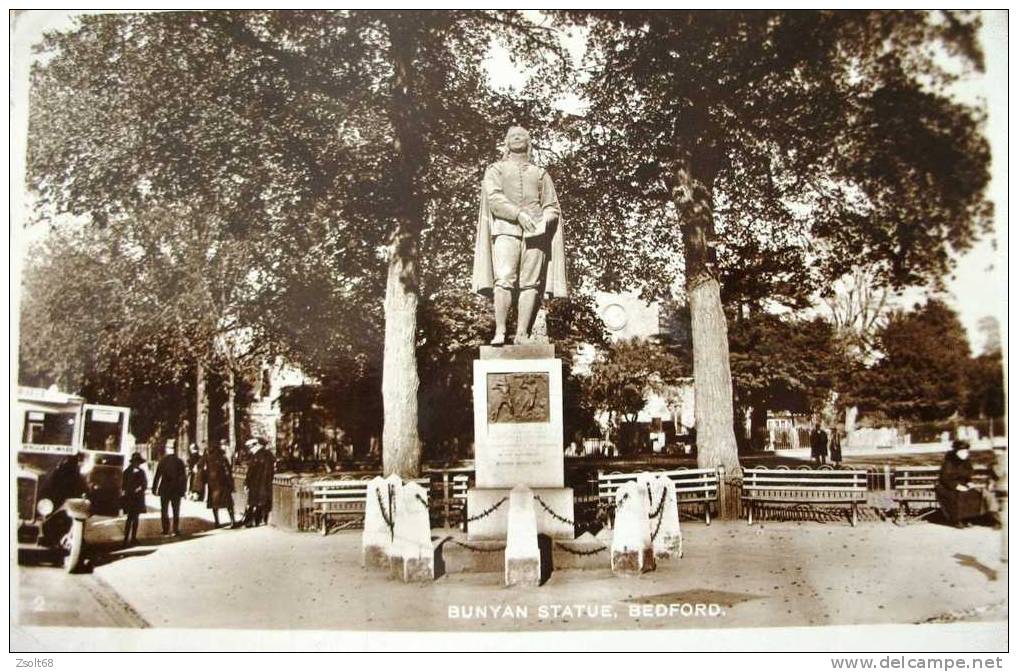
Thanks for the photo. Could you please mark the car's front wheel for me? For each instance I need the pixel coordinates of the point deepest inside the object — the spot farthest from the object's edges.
(74, 544)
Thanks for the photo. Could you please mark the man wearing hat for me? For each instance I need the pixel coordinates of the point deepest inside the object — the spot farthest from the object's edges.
(217, 475)
(133, 486)
(260, 470)
(170, 483)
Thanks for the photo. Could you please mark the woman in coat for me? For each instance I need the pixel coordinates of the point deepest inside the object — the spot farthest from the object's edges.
(218, 477)
(959, 500)
(133, 486)
(835, 446)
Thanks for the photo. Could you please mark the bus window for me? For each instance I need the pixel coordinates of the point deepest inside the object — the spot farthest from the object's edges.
(48, 428)
(103, 429)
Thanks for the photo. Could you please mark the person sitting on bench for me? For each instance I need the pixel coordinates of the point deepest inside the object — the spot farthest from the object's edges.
(959, 499)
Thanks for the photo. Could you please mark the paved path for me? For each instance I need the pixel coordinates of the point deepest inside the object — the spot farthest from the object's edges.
(48, 596)
(771, 574)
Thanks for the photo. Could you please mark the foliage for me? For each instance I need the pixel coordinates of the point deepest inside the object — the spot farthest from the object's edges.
(624, 373)
(858, 308)
(923, 369)
(984, 380)
(273, 134)
(781, 363)
(823, 137)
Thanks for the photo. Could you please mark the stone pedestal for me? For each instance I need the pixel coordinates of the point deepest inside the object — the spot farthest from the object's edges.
(632, 552)
(522, 555)
(665, 532)
(413, 554)
(518, 417)
(518, 440)
(379, 520)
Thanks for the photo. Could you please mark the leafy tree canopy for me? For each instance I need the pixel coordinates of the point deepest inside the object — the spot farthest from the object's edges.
(922, 372)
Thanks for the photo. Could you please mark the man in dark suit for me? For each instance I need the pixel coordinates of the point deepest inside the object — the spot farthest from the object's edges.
(260, 470)
(170, 483)
(818, 445)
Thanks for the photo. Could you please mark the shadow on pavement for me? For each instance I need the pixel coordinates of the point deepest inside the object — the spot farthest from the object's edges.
(970, 561)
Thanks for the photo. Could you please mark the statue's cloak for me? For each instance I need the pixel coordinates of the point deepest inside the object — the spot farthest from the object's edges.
(484, 272)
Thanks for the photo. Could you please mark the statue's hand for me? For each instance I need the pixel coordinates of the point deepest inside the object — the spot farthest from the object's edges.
(526, 221)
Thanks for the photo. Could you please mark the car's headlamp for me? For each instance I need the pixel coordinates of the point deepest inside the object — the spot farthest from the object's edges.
(44, 507)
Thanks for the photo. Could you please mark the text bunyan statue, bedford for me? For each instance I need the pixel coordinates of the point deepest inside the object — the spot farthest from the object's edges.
(519, 245)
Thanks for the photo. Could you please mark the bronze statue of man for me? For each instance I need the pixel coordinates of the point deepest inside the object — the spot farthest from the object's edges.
(519, 245)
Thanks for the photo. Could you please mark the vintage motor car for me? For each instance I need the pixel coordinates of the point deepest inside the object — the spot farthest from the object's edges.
(44, 525)
(70, 460)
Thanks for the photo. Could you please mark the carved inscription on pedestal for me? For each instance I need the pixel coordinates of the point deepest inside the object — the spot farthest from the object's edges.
(518, 397)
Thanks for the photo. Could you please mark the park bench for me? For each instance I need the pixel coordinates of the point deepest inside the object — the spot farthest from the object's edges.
(449, 495)
(697, 487)
(803, 488)
(343, 499)
(915, 490)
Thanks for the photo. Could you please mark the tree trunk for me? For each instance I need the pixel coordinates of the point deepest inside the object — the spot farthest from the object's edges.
(201, 416)
(400, 441)
(401, 446)
(712, 376)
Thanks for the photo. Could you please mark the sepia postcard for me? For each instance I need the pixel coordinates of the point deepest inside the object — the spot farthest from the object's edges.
(510, 330)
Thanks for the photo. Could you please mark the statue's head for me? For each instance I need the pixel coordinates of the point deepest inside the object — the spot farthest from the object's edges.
(517, 140)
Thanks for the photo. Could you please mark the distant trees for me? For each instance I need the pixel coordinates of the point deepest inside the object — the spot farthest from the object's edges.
(922, 370)
(782, 363)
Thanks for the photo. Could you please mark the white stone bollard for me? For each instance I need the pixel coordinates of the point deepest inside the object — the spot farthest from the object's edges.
(522, 555)
(413, 554)
(380, 505)
(665, 532)
(632, 551)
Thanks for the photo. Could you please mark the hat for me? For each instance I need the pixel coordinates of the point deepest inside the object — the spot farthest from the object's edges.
(136, 458)
(960, 444)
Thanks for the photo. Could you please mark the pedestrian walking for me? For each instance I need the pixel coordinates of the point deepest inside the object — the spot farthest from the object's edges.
(998, 475)
(170, 483)
(956, 493)
(260, 470)
(132, 487)
(218, 478)
(818, 445)
(836, 446)
(193, 480)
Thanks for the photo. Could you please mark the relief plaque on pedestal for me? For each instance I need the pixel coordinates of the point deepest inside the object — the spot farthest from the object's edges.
(518, 422)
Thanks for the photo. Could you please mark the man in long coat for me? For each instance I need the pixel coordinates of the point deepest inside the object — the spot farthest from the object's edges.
(260, 470)
(519, 242)
(218, 477)
(170, 483)
(818, 444)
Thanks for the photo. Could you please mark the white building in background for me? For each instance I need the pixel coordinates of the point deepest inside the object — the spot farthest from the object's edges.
(627, 316)
(264, 412)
